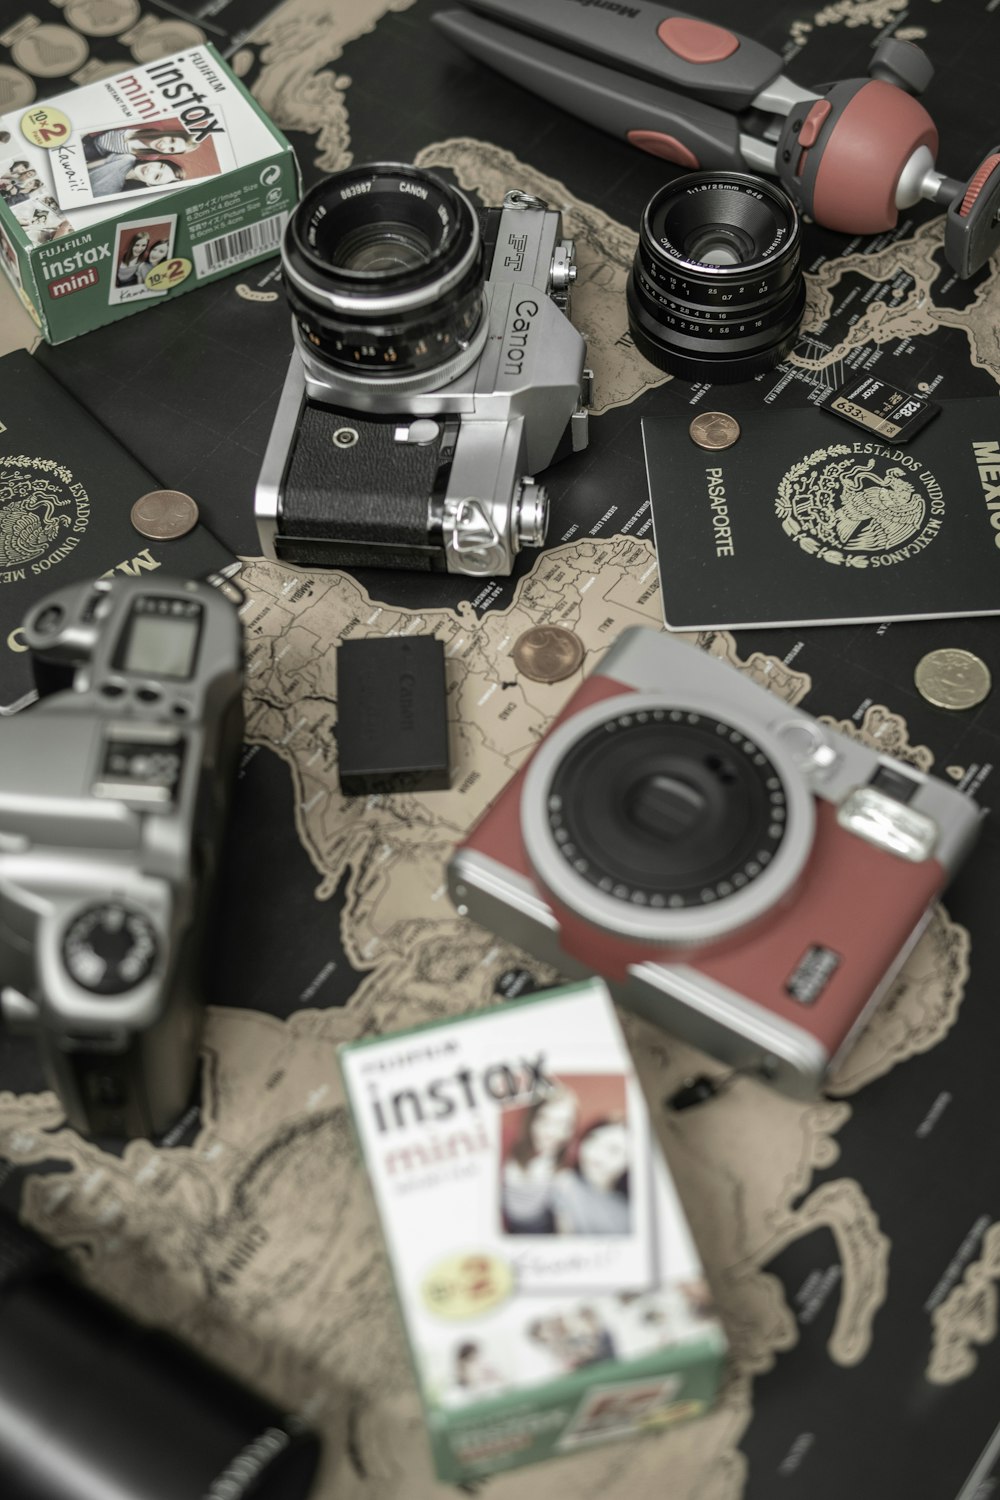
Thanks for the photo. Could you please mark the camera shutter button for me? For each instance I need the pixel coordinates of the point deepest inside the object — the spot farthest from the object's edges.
(423, 430)
(807, 744)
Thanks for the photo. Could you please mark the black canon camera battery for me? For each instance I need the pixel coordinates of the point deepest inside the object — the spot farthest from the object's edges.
(392, 719)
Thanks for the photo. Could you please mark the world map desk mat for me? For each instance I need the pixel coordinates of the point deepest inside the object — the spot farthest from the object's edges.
(852, 1244)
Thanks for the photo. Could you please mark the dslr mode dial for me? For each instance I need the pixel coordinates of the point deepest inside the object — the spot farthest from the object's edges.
(109, 949)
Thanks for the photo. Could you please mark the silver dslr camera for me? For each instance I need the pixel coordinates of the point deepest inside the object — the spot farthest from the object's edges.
(114, 793)
(435, 373)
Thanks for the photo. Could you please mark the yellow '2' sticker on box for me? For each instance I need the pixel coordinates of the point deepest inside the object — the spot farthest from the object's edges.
(45, 126)
(169, 273)
(464, 1286)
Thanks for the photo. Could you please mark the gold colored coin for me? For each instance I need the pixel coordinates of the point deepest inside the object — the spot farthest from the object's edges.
(164, 515)
(464, 1286)
(951, 678)
(714, 429)
(548, 653)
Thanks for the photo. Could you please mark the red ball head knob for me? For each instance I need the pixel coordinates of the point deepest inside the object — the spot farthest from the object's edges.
(863, 158)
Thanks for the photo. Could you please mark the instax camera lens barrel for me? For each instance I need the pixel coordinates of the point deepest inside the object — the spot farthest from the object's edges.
(716, 291)
(668, 809)
(94, 1404)
(384, 270)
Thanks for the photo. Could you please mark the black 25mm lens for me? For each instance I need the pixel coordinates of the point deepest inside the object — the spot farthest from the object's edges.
(716, 292)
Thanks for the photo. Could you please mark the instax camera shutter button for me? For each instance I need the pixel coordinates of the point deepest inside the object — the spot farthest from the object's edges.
(806, 744)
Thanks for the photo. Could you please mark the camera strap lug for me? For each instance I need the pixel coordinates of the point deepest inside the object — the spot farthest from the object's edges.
(471, 537)
(579, 422)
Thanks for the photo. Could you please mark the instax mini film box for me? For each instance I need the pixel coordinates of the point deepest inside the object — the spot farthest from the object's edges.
(552, 1295)
(136, 188)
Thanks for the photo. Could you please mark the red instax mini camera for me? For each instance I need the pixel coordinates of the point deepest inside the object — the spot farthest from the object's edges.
(745, 877)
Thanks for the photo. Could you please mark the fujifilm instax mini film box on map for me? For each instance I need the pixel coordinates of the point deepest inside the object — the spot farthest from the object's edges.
(136, 188)
(551, 1291)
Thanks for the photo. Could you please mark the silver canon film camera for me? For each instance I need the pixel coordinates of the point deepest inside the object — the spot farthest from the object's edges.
(114, 793)
(435, 373)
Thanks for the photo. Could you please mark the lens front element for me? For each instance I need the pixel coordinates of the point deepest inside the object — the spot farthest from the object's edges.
(382, 249)
(715, 291)
(384, 271)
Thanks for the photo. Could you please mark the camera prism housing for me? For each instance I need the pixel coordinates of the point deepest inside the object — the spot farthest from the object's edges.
(435, 373)
(742, 875)
(114, 797)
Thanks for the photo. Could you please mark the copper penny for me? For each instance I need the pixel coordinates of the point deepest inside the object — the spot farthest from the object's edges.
(548, 653)
(714, 429)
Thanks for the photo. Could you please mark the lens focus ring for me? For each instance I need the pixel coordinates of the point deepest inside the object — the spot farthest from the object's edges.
(716, 291)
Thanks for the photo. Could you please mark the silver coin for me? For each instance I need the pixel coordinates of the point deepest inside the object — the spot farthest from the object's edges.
(164, 514)
(548, 653)
(950, 678)
(714, 429)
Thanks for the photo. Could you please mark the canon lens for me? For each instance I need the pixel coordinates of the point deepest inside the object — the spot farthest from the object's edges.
(384, 270)
(716, 292)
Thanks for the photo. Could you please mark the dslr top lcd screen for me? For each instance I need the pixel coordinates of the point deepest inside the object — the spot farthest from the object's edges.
(161, 645)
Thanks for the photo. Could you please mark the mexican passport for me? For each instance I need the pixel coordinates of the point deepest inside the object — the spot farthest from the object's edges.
(67, 488)
(805, 520)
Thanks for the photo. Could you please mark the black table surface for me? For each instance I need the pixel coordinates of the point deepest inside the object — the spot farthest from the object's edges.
(853, 1246)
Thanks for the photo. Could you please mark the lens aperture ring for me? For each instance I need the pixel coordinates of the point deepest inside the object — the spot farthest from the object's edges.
(423, 340)
(713, 299)
(763, 332)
